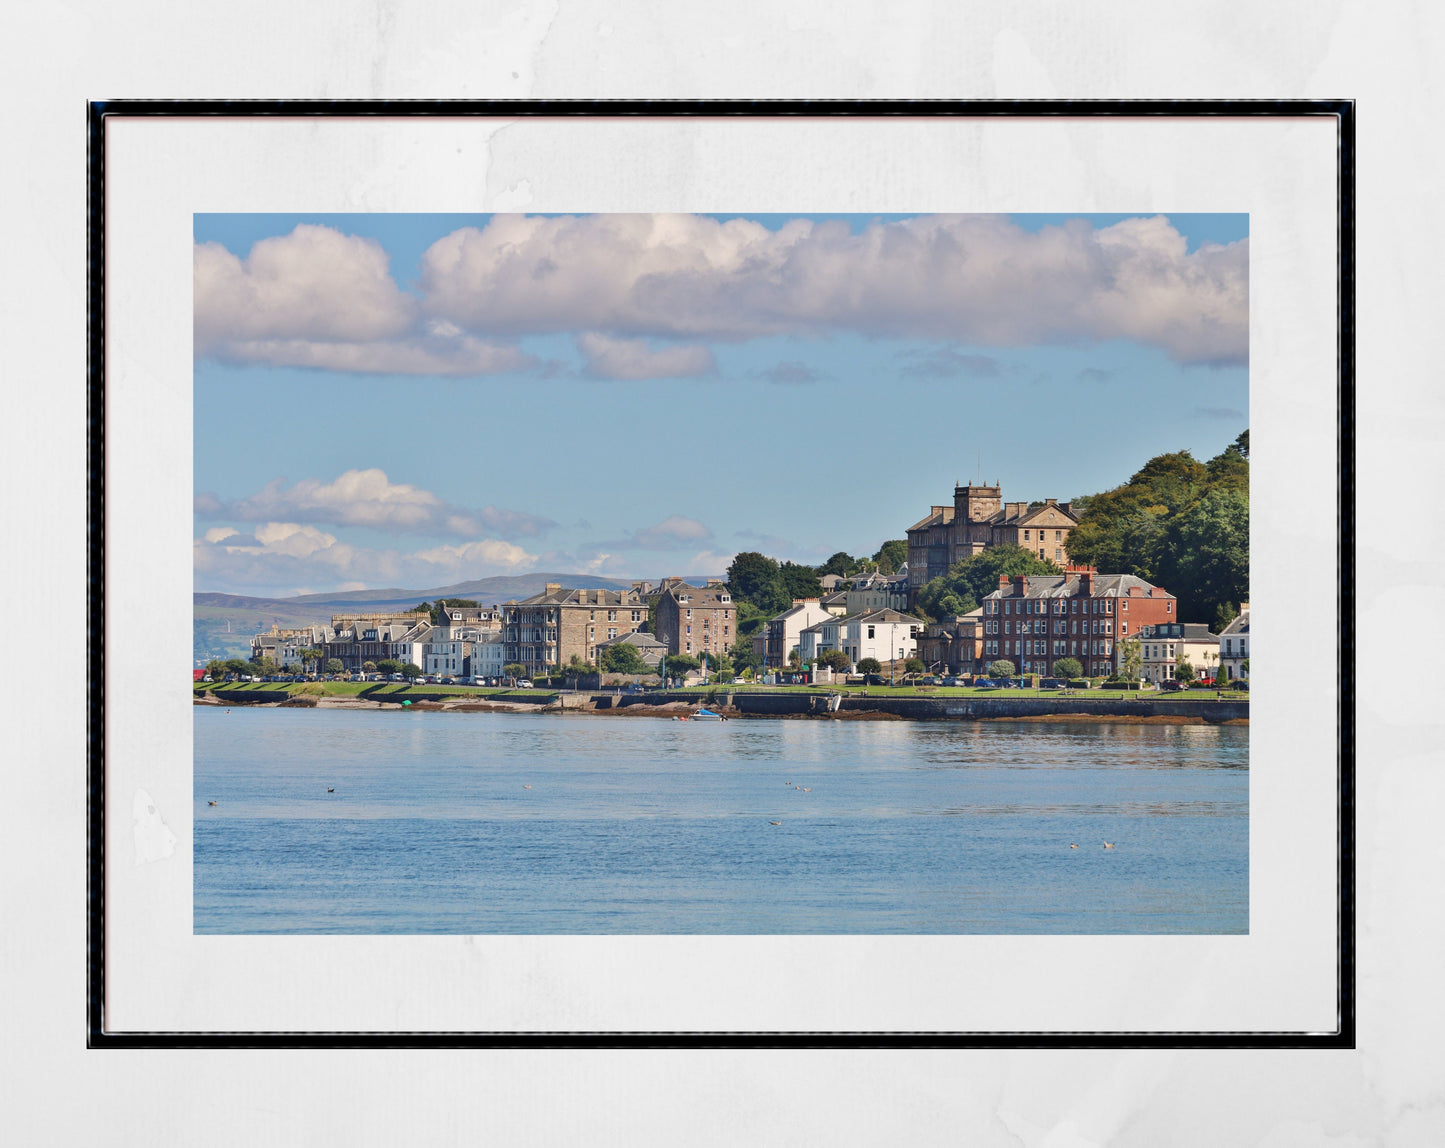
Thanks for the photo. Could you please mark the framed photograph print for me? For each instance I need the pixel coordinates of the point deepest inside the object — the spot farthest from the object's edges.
(721, 574)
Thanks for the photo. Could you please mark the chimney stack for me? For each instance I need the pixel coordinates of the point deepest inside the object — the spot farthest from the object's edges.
(552, 587)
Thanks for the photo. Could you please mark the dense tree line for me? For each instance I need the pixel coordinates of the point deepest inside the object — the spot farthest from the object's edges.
(1179, 523)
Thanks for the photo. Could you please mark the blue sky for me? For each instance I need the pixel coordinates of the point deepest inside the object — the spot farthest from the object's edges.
(401, 400)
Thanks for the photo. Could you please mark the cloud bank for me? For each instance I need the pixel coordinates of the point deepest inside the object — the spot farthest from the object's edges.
(295, 556)
(319, 298)
(369, 498)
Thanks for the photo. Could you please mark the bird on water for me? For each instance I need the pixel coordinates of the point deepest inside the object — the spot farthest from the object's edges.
(770, 822)
(210, 803)
(1072, 845)
(1108, 845)
(330, 789)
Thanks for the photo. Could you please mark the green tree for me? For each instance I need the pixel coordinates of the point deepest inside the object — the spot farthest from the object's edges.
(411, 671)
(835, 660)
(757, 580)
(389, 666)
(914, 666)
(1068, 668)
(1183, 669)
(799, 582)
(891, 555)
(840, 563)
(310, 655)
(720, 663)
(743, 657)
(795, 658)
(368, 667)
(1209, 560)
(1223, 615)
(968, 582)
(679, 664)
(1244, 667)
(1131, 652)
(514, 670)
(870, 666)
(623, 658)
(1003, 668)
(334, 666)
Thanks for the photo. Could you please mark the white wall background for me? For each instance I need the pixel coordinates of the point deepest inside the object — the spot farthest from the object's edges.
(1386, 55)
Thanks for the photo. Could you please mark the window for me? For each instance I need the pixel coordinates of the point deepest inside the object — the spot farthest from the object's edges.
(1007, 627)
(637, 615)
(1123, 627)
(1006, 607)
(612, 633)
(1058, 535)
(1108, 605)
(612, 615)
(1169, 607)
(1026, 535)
(870, 631)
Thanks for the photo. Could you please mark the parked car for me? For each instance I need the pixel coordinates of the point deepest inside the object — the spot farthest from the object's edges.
(950, 680)
(524, 684)
(1171, 687)
(1052, 684)
(874, 680)
(736, 681)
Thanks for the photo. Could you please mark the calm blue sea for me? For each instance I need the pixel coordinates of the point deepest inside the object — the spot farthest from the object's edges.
(518, 823)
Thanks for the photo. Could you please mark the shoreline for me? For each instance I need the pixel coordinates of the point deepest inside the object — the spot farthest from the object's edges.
(585, 706)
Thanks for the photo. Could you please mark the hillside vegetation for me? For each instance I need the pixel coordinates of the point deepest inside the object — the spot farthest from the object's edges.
(1179, 523)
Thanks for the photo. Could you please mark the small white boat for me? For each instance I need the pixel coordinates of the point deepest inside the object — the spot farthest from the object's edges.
(706, 715)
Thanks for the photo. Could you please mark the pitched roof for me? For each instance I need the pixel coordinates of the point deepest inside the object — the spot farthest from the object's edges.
(1071, 585)
(636, 638)
(699, 597)
(566, 597)
(942, 516)
(1240, 625)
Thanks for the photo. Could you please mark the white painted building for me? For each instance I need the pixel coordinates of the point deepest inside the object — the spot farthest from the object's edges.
(447, 659)
(1234, 644)
(887, 635)
(785, 631)
(1164, 646)
(489, 655)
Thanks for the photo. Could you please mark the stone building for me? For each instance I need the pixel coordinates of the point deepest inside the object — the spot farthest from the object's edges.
(544, 632)
(1033, 620)
(954, 645)
(362, 638)
(696, 620)
(979, 519)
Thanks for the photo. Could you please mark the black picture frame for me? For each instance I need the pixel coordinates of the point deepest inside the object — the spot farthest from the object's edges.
(98, 113)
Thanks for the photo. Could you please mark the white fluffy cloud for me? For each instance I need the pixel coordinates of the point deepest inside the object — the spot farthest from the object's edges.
(368, 498)
(314, 284)
(980, 279)
(289, 556)
(318, 298)
(609, 358)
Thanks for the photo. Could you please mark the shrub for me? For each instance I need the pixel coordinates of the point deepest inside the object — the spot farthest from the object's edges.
(1068, 668)
(1080, 683)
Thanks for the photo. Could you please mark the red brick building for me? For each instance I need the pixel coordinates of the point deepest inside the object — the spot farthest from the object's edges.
(1034, 620)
